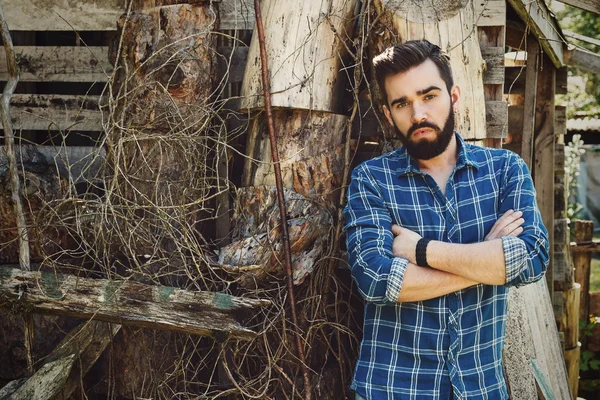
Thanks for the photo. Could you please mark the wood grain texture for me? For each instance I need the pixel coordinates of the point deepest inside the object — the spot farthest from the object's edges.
(305, 52)
(127, 303)
(60, 64)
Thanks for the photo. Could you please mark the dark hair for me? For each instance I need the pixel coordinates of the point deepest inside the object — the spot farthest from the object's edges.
(402, 57)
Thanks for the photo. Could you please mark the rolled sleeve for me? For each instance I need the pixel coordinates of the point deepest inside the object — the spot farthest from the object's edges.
(526, 256)
(377, 273)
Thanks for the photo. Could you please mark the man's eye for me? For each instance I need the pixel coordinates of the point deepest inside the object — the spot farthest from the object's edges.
(401, 105)
(430, 97)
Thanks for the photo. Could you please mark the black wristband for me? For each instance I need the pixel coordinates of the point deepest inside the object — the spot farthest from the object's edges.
(421, 252)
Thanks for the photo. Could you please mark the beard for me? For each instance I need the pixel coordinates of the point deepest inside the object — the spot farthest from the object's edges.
(426, 149)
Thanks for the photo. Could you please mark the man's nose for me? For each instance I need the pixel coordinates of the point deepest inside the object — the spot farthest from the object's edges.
(418, 113)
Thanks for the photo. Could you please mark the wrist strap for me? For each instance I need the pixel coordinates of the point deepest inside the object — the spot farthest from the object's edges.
(421, 252)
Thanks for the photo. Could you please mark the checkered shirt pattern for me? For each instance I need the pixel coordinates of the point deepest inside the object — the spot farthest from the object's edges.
(450, 346)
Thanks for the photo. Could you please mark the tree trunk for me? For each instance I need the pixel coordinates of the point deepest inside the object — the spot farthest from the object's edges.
(159, 150)
(305, 49)
(452, 26)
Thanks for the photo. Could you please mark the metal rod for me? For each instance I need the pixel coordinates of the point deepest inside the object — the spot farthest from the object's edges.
(280, 197)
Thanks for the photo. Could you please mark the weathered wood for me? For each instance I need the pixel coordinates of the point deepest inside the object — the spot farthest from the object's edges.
(560, 124)
(496, 115)
(47, 382)
(304, 69)
(562, 75)
(583, 38)
(490, 13)
(531, 334)
(83, 344)
(60, 64)
(586, 247)
(561, 234)
(572, 356)
(544, 140)
(55, 15)
(584, 59)
(56, 112)
(563, 271)
(584, 231)
(494, 65)
(589, 5)
(451, 27)
(569, 321)
(126, 303)
(544, 26)
(492, 37)
(529, 105)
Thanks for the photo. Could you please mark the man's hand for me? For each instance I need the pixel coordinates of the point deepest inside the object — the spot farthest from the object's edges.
(405, 243)
(509, 224)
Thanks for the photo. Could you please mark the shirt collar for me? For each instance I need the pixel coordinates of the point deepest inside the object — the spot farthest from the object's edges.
(408, 164)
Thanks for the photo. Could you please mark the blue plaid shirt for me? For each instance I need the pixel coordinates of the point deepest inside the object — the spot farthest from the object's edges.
(450, 345)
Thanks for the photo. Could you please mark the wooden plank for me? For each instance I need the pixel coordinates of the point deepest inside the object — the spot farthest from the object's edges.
(496, 115)
(569, 321)
(60, 64)
(572, 359)
(60, 15)
(531, 334)
(47, 382)
(127, 303)
(529, 104)
(584, 231)
(583, 38)
(494, 65)
(586, 247)
(589, 5)
(560, 121)
(490, 12)
(544, 26)
(544, 141)
(562, 75)
(584, 59)
(56, 112)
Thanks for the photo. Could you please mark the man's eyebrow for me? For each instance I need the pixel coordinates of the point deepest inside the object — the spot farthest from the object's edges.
(429, 89)
(419, 93)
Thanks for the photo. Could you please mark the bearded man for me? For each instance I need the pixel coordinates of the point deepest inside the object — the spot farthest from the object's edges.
(437, 231)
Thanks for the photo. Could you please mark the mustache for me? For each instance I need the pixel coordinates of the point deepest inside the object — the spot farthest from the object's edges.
(420, 125)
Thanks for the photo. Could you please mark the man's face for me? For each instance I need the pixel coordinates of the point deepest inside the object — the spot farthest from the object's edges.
(421, 110)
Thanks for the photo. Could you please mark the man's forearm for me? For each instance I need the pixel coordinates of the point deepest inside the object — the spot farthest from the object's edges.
(481, 262)
(425, 283)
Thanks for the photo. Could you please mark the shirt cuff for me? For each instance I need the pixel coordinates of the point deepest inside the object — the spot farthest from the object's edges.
(395, 279)
(515, 254)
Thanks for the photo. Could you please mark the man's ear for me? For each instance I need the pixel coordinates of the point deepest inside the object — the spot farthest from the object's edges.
(455, 95)
(388, 115)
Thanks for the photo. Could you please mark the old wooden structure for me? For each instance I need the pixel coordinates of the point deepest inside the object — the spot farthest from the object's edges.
(67, 57)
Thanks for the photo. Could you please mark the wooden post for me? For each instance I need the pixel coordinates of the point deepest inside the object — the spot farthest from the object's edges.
(584, 232)
(544, 140)
(572, 360)
(529, 106)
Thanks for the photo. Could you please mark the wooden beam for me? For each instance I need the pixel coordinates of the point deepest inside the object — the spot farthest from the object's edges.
(586, 247)
(544, 141)
(494, 65)
(60, 64)
(584, 59)
(57, 15)
(531, 81)
(490, 12)
(127, 303)
(56, 112)
(47, 382)
(583, 38)
(544, 26)
(588, 5)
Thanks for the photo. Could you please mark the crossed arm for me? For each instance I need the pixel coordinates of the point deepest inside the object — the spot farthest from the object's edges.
(454, 266)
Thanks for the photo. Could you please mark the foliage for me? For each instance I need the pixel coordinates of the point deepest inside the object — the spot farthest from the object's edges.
(573, 152)
(588, 360)
(584, 23)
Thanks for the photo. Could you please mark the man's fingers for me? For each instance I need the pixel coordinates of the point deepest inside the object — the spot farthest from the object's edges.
(396, 229)
(506, 225)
